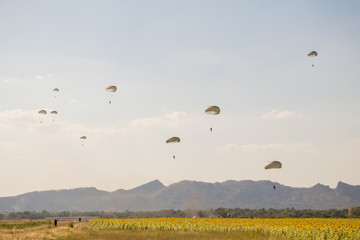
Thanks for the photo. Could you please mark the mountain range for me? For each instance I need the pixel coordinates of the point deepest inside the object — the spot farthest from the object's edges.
(183, 195)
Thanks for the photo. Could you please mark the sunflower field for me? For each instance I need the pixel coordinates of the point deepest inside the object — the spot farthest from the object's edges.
(293, 228)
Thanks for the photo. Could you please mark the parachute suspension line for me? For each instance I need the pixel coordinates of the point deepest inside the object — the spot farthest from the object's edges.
(212, 110)
(312, 54)
(42, 112)
(273, 165)
(111, 89)
(83, 138)
(173, 140)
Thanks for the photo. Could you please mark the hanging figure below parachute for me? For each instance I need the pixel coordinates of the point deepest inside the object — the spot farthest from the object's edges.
(212, 110)
(273, 165)
(111, 89)
(173, 140)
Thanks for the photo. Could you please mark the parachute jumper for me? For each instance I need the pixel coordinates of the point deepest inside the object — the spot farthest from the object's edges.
(53, 113)
(55, 90)
(83, 138)
(212, 110)
(273, 165)
(173, 140)
(111, 89)
(42, 112)
(312, 54)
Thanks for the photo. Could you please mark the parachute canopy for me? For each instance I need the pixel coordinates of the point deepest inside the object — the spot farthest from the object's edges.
(55, 90)
(54, 112)
(213, 110)
(111, 88)
(83, 137)
(173, 140)
(312, 54)
(43, 112)
(273, 164)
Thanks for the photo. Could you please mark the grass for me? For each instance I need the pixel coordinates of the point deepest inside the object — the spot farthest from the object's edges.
(83, 231)
(22, 224)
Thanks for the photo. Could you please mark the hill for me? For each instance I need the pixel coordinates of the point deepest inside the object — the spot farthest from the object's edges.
(188, 195)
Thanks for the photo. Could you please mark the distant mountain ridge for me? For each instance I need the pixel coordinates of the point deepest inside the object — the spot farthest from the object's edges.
(188, 195)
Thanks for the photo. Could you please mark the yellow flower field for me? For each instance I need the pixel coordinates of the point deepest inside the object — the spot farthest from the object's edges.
(294, 228)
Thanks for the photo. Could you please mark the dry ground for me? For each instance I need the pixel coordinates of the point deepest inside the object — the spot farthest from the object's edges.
(82, 231)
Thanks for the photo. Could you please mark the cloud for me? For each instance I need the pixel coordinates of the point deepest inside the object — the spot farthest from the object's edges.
(271, 147)
(275, 114)
(17, 116)
(9, 80)
(10, 144)
(28, 121)
(46, 76)
(174, 119)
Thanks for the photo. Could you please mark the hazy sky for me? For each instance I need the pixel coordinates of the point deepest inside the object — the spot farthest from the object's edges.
(170, 60)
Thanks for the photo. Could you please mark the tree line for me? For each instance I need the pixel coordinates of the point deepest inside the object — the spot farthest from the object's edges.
(212, 213)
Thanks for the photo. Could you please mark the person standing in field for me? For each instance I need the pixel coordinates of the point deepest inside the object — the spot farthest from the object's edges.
(55, 222)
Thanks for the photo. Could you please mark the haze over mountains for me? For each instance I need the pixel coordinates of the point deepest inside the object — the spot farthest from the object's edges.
(188, 195)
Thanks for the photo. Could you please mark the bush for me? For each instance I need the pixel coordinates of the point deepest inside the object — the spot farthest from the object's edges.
(70, 224)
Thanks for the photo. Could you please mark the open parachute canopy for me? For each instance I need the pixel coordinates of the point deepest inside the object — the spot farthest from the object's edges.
(83, 137)
(43, 112)
(173, 140)
(273, 164)
(54, 112)
(212, 110)
(312, 54)
(111, 88)
(55, 90)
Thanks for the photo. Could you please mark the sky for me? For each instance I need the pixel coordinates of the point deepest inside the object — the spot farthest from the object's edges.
(170, 60)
